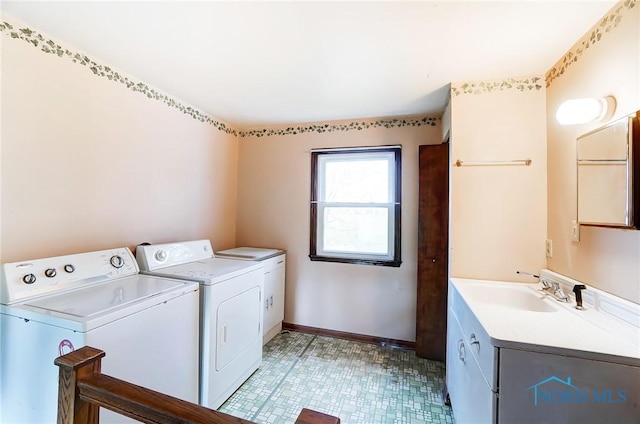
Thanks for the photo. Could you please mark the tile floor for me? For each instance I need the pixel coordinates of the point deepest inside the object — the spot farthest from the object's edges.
(359, 382)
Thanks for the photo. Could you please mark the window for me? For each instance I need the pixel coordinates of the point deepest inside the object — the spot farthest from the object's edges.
(355, 206)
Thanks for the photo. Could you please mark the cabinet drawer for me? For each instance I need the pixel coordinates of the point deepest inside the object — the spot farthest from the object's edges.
(273, 263)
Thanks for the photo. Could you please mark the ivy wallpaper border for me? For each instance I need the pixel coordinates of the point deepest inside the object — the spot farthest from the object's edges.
(51, 47)
(483, 87)
(48, 46)
(351, 126)
(608, 23)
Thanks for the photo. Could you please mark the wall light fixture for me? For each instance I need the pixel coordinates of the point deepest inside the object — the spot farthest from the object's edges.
(581, 111)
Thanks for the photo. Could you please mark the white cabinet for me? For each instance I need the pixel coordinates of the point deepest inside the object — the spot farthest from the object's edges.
(472, 397)
(274, 274)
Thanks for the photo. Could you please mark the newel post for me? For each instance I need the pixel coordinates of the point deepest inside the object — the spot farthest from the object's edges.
(73, 366)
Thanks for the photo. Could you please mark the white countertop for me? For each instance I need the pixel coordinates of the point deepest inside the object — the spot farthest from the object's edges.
(250, 253)
(590, 333)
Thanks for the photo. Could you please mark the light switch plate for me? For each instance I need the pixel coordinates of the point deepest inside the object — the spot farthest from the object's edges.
(575, 230)
(548, 248)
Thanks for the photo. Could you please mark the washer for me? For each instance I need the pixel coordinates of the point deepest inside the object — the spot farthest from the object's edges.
(146, 325)
(274, 284)
(231, 294)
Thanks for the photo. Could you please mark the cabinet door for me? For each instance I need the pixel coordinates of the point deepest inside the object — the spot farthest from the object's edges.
(277, 305)
(269, 319)
(472, 399)
(274, 298)
(455, 363)
(546, 388)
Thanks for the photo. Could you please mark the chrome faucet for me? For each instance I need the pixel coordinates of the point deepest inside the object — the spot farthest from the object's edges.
(554, 290)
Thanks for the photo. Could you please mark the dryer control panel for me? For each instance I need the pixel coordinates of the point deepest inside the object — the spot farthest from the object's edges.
(152, 257)
(32, 278)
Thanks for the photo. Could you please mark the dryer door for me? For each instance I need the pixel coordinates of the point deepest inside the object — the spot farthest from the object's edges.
(239, 326)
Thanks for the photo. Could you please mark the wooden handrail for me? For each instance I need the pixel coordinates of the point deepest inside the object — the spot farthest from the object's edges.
(83, 389)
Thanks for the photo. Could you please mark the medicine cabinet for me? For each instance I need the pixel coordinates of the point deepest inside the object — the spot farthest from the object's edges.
(608, 163)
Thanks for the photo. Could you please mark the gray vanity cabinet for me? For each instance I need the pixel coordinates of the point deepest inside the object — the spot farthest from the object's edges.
(497, 381)
(537, 387)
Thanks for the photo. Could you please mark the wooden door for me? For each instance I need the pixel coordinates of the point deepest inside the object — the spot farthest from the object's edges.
(433, 248)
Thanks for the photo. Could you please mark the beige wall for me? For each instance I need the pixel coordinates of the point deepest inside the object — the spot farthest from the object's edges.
(89, 164)
(606, 258)
(498, 213)
(273, 211)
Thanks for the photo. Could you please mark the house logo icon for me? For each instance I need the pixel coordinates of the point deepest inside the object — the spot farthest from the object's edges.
(537, 390)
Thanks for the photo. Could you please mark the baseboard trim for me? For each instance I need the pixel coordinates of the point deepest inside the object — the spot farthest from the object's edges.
(349, 336)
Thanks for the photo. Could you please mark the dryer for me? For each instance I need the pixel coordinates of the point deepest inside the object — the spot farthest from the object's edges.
(274, 284)
(146, 325)
(231, 293)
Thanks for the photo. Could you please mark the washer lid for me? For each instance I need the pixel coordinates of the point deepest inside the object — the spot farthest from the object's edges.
(101, 298)
(250, 253)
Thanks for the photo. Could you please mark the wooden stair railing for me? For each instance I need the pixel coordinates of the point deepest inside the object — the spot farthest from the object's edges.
(83, 390)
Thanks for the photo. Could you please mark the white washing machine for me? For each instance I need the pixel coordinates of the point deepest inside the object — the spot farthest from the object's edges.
(146, 325)
(230, 311)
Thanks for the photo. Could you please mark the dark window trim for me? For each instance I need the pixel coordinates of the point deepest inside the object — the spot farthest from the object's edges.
(396, 261)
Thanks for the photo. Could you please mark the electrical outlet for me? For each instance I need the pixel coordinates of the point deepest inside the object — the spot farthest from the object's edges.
(548, 248)
(575, 230)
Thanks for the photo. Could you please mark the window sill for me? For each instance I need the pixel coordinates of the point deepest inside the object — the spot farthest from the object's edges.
(392, 263)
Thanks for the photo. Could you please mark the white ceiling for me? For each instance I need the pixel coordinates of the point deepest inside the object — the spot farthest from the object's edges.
(258, 63)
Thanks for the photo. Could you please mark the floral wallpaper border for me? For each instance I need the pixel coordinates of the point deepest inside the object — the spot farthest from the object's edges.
(609, 22)
(351, 126)
(482, 87)
(49, 46)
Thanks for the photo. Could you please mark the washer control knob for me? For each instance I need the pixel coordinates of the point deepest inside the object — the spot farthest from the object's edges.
(68, 268)
(29, 279)
(161, 255)
(50, 272)
(117, 261)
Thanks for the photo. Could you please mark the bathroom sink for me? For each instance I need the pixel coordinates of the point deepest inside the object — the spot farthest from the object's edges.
(511, 295)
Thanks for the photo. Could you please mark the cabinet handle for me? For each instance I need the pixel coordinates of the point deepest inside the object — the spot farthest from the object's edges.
(461, 352)
(271, 301)
(474, 341)
(266, 302)
(280, 262)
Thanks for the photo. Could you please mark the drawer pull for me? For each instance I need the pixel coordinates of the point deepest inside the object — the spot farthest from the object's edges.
(461, 352)
(474, 341)
(280, 262)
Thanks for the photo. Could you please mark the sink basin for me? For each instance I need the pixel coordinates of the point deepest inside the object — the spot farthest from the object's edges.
(511, 296)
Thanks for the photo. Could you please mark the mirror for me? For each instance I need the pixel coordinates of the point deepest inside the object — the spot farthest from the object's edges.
(607, 168)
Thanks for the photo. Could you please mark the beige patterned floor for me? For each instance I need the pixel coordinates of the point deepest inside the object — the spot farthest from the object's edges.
(359, 382)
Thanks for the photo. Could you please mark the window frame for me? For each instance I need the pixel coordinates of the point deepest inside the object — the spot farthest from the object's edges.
(396, 207)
